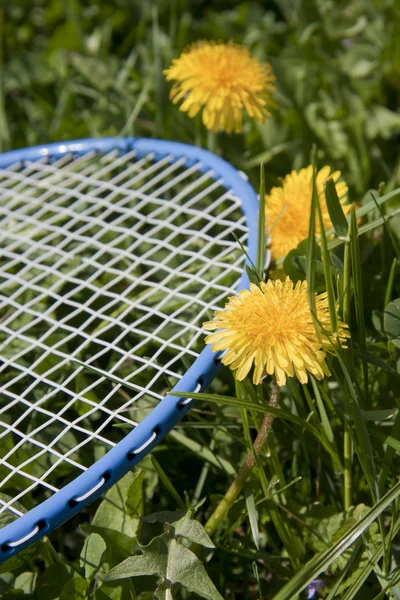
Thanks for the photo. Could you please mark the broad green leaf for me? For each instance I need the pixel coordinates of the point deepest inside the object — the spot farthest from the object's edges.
(391, 321)
(193, 531)
(335, 209)
(183, 524)
(91, 554)
(118, 590)
(134, 502)
(15, 595)
(102, 595)
(382, 122)
(66, 36)
(74, 589)
(300, 262)
(163, 591)
(112, 513)
(26, 582)
(118, 545)
(173, 562)
(52, 582)
(164, 516)
(152, 561)
(326, 528)
(292, 267)
(185, 568)
(295, 264)
(21, 560)
(343, 577)
(100, 74)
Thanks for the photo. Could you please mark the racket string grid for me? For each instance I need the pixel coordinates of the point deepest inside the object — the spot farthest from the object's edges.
(112, 260)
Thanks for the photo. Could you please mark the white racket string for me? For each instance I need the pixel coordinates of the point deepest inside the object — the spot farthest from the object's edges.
(113, 260)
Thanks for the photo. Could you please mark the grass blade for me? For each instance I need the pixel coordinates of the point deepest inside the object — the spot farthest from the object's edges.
(167, 482)
(323, 560)
(335, 209)
(386, 225)
(375, 360)
(346, 570)
(253, 514)
(326, 425)
(279, 520)
(389, 454)
(204, 454)
(311, 246)
(358, 296)
(364, 574)
(389, 440)
(256, 575)
(363, 228)
(364, 210)
(349, 361)
(390, 283)
(278, 412)
(327, 269)
(363, 443)
(370, 206)
(261, 224)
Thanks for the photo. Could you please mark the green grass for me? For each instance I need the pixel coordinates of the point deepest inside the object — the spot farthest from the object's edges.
(322, 505)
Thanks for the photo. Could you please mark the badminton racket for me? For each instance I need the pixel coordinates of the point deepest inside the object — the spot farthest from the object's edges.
(113, 253)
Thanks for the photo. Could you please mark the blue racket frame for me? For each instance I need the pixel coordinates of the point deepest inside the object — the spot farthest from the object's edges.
(72, 498)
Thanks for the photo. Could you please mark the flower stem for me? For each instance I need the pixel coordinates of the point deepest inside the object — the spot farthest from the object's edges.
(237, 485)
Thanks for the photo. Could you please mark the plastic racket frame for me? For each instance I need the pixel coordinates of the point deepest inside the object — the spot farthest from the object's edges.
(88, 486)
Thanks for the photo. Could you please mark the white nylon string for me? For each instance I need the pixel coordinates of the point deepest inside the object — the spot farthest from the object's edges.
(115, 261)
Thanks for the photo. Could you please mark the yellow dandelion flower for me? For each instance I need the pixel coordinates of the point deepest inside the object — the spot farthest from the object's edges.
(272, 327)
(222, 80)
(288, 208)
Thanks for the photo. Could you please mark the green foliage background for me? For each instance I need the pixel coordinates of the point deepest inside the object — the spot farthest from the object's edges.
(88, 69)
(72, 69)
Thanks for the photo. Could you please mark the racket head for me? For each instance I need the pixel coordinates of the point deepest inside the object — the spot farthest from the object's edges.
(99, 476)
